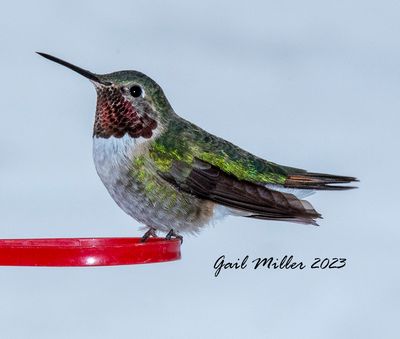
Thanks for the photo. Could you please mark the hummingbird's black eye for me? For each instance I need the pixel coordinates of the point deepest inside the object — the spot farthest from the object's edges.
(136, 91)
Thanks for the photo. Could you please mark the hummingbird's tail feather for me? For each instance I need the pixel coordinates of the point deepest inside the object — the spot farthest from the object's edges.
(298, 220)
(319, 181)
(297, 211)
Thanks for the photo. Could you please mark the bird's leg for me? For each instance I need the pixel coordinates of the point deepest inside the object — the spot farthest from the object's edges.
(171, 234)
(150, 233)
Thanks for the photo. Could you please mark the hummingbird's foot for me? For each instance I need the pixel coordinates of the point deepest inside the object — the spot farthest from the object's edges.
(150, 233)
(171, 234)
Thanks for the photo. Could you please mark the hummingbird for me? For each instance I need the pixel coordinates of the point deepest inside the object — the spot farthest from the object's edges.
(174, 177)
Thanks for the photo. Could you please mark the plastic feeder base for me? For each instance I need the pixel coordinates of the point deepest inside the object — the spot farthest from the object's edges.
(87, 251)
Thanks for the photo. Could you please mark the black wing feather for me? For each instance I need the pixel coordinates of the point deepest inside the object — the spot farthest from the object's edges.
(256, 201)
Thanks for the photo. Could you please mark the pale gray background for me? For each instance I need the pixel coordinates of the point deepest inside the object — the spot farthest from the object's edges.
(305, 83)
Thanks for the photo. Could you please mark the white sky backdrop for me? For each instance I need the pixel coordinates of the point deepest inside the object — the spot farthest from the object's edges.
(310, 84)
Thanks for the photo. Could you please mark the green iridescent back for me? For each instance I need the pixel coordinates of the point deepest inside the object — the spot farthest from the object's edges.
(184, 141)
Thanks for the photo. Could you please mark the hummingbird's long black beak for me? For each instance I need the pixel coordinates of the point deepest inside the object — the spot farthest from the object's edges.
(81, 71)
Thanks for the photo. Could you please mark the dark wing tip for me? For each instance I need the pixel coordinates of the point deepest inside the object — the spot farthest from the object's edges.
(320, 181)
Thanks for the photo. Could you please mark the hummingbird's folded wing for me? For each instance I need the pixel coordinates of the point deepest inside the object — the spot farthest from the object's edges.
(206, 181)
(212, 168)
(184, 141)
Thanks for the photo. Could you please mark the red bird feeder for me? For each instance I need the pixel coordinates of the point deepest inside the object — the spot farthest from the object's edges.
(87, 251)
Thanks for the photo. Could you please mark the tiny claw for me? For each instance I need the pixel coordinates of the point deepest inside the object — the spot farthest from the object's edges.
(171, 234)
(150, 233)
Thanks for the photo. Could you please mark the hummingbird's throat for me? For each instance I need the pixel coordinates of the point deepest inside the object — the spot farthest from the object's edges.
(116, 116)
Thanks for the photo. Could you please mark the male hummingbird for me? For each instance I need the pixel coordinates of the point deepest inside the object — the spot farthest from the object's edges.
(175, 177)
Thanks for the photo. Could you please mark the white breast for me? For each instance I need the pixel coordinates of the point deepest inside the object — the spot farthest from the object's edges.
(113, 156)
